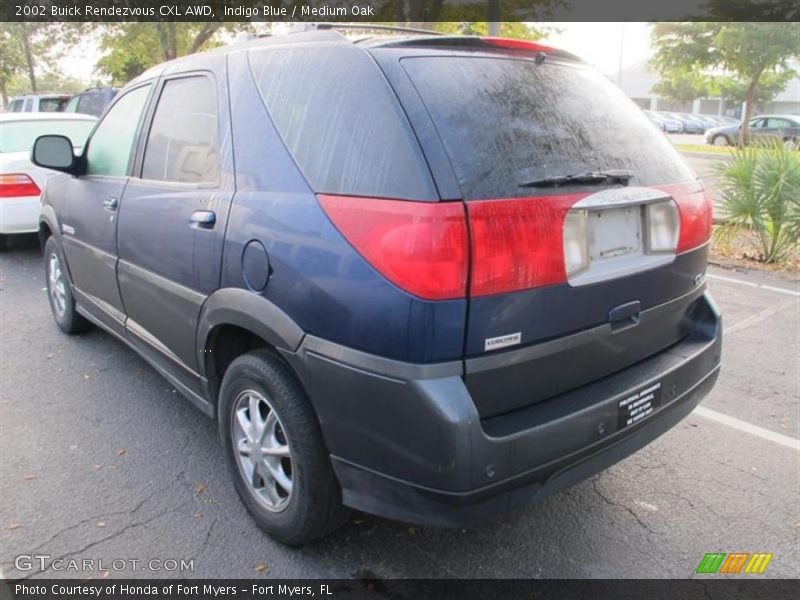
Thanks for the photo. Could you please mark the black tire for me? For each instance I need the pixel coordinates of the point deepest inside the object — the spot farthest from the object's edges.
(3, 242)
(67, 318)
(314, 505)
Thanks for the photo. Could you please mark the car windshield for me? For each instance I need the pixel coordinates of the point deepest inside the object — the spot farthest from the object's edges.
(19, 136)
(517, 121)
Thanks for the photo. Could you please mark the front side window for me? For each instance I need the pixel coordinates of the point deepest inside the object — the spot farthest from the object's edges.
(112, 143)
(183, 144)
(15, 106)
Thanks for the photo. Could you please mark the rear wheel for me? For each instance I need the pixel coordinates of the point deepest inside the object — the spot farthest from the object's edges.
(720, 140)
(274, 447)
(791, 143)
(59, 291)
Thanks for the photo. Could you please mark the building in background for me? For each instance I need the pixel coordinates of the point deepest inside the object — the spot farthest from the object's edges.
(637, 82)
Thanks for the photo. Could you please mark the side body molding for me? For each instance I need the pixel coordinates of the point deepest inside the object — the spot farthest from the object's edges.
(245, 309)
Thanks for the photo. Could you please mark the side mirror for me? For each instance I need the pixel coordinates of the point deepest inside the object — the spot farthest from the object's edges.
(54, 152)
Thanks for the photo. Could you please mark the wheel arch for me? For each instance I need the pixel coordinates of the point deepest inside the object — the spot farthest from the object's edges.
(233, 321)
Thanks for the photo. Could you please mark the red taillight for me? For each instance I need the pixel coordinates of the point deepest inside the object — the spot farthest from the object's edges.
(513, 44)
(17, 185)
(696, 210)
(517, 243)
(419, 246)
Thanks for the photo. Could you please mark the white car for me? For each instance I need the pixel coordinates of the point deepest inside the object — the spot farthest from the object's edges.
(21, 182)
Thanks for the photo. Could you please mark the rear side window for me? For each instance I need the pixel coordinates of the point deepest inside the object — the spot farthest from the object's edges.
(507, 121)
(15, 106)
(182, 146)
(342, 122)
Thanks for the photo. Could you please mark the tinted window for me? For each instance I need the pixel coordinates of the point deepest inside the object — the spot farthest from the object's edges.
(28, 105)
(15, 106)
(507, 121)
(93, 103)
(341, 121)
(19, 136)
(111, 145)
(183, 142)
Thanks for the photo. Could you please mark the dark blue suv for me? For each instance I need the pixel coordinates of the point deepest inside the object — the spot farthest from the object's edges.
(432, 278)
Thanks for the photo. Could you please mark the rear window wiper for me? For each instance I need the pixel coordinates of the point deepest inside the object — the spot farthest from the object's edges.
(609, 176)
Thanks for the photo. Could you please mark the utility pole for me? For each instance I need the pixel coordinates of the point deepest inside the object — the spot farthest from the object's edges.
(494, 17)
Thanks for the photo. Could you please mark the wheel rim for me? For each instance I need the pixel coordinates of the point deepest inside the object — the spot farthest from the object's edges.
(57, 286)
(720, 141)
(262, 450)
(790, 144)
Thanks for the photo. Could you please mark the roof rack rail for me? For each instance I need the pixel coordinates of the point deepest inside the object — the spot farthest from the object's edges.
(371, 27)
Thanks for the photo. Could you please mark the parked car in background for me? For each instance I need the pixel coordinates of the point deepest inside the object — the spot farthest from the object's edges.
(38, 103)
(20, 181)
(691, 124)
(776, 128)
(664, 123)
(92, 101)
(397, 289)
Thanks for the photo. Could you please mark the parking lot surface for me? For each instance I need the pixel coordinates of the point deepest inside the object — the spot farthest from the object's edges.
(100, 458)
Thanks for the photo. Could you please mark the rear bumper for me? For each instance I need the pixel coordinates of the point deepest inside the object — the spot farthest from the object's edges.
(407, 442)
(19, 215)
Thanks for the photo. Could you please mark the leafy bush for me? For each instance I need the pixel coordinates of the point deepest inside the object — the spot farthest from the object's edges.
(760, 189)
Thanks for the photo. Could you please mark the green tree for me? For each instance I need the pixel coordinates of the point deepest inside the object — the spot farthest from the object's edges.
(682, 86)
(132, 48)
(747, 51)
(734, 91)
(12, 61)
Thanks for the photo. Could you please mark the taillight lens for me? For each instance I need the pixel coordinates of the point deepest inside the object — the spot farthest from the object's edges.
(517, 243)
(576, 241)
(419, 246)
(17, 185)
(663, 227)
(696, 215)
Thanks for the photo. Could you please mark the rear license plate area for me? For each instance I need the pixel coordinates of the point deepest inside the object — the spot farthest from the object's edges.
(638, 406)
(614, 232)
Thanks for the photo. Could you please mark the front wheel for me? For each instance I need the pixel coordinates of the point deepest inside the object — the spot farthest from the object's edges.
(59, 292)
(274, 448)
(720, 140)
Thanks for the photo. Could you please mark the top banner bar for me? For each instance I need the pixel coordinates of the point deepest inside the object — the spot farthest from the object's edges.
(398, 11)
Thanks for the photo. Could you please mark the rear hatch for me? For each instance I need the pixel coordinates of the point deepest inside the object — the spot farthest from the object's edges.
(582, 217)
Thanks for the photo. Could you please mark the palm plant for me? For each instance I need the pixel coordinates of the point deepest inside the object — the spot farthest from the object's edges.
(760, 189)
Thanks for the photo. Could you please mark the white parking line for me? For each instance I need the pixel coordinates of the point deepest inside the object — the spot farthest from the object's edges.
(770, 288)
(766, 434)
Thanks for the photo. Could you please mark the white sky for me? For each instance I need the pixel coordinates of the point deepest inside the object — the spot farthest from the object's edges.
(601, 44)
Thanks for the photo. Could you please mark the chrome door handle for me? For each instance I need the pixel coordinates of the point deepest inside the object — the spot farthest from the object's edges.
(203, 218)
(111, 203)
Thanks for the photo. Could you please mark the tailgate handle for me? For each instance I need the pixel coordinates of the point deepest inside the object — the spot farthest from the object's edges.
(624, 315)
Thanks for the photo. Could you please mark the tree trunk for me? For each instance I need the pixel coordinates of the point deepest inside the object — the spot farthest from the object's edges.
(208, 31)
(3, 91)
(26, 45)
(749, 98)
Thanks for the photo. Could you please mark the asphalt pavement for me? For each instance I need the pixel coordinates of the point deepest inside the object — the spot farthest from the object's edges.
(100, 458)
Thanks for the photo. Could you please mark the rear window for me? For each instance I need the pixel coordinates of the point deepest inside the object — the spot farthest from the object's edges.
(51, 104)
(506, 121)
(19, 136)
(341, 122)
